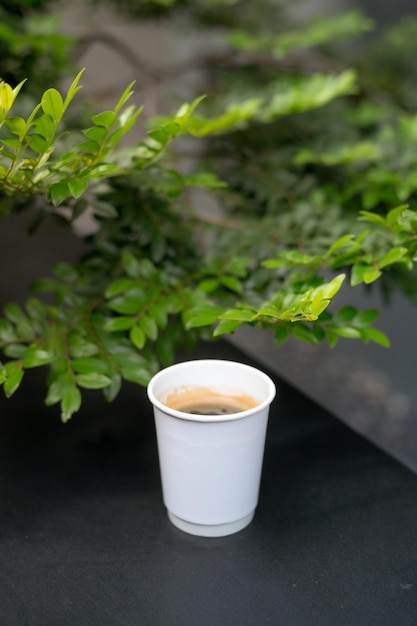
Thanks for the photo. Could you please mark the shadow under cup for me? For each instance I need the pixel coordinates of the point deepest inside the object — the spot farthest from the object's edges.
(211, 464)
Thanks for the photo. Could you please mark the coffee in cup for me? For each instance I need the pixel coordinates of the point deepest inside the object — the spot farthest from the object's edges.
(205, 401)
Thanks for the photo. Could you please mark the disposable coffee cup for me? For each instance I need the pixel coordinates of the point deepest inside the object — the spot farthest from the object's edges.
(211, 464)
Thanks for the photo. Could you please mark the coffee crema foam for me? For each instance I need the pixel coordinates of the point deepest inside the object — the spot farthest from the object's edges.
(204, 401)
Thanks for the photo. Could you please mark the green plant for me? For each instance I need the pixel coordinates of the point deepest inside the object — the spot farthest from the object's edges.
(30, 44)
(310, 174)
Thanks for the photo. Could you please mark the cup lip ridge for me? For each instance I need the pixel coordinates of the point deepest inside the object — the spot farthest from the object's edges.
(210, 418)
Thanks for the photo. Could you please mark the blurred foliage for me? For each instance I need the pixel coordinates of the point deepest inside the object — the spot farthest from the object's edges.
(251, 205)
(205, 13)
(31, 45)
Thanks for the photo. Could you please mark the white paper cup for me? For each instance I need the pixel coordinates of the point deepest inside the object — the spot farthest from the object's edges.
(211, 464)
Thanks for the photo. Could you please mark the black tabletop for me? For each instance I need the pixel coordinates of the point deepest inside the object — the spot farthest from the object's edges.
(85, 540)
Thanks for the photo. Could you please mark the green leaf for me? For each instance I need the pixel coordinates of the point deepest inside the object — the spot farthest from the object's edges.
(91, 364)
(149, 327)
(96, 133)
(159, 313)
(208, 285)
(368, 316)
(118, 286)
(226, 326)
(73, 89)
(126, 356)
(91, 147)
(37, 143)
(45, 127)
(127, 120)
(363, 273)
(315, 32)
(280, 335)
(164, 134)
(36, 309)
(110, 391)
(368, 216)
(15, 350)
(124, 97)
(7, 332)
(347, 331)
(103, 208)
(58, 193)
(35, 357)
(165, 350)
(137, 337)
(6, 99)
(371, 275)
(46, 285)
(204, 315)
(273, 263)
(293, 257)
(341, 242)
(15, 125)
(7, 154)
(148, 269)
(93, 380)
(392, 256)
(235, 116)
(71, 403)
(242, 315)
(318, 304)
(11, 142)
(269, 310)
(199, 179)
(25, 330)
(58, 388)
(77, 186)
(231, 283)
(14, 374)
(394, 215)
(52, 104)
(65, 271)
(140, 376)
(310, 93)
(318, 332)
(303, 332)
(345, 314)
(344, 153)
(357, 273)
(119, 323)
(14, 312)
(377, 336)
(132, 265)
(80, 345)
(331, 337)
(130, 302)
(105, 119)
(330, 289)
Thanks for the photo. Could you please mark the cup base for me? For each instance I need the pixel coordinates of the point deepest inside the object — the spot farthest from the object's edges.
(211, 530)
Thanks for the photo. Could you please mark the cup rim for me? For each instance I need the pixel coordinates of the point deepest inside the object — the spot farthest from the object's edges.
(210, 418)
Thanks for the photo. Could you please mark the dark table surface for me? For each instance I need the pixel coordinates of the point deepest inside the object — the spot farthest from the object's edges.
(85, 540)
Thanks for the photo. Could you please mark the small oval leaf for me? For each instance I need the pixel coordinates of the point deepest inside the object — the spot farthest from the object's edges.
(52, 104)
(93, 380)
(138, 337)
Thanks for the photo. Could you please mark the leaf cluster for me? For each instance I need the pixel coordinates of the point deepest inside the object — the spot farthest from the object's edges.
(297, 182)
